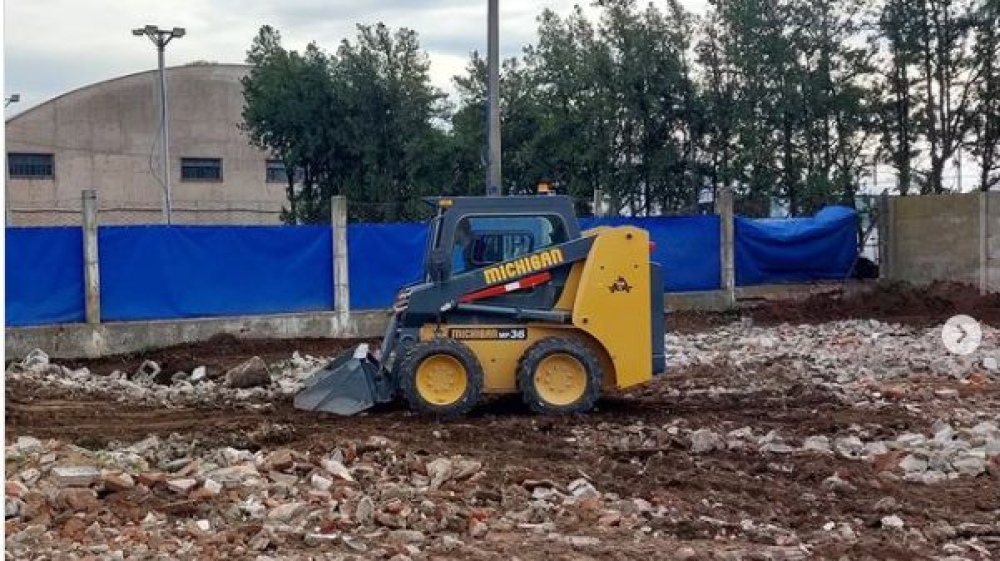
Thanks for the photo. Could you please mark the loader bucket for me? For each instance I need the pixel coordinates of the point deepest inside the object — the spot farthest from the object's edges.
(346, 386)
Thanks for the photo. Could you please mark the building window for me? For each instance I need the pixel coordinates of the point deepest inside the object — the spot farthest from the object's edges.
(201, 169)
(276, 172)
(31, 166)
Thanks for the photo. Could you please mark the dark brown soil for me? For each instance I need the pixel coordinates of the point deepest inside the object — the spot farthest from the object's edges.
(217, 354)
(888, 301)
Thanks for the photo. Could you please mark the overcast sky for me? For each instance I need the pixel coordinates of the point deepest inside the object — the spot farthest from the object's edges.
(54, 46)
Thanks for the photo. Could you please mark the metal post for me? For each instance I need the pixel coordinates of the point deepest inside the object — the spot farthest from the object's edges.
(91, 271)
(6, 190)
(341, 283)
(724, 208)
(164, 139)
(14, 98)
(160, 38)
(493, 179)
(598, 203)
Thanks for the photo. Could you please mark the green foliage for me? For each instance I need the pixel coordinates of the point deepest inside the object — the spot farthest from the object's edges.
(776, 99)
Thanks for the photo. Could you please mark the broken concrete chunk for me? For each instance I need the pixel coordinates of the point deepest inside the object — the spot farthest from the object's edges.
(704, 440)
(35, 361)
(75, 476)
(250, 374)
(337, 469)
(181, 486)
(147, 372)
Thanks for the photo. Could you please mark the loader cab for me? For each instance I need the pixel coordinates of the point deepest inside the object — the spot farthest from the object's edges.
(471, 233)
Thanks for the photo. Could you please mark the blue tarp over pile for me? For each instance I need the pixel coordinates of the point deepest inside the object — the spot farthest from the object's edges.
(796, 249)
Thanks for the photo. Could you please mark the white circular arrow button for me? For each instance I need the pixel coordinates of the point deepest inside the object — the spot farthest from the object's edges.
(961, 335)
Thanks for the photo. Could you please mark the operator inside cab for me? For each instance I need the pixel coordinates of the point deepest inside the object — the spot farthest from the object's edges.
(463, 244)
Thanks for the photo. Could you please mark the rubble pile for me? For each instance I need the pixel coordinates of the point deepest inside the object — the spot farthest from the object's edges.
(851, 439)
(835, 353)
(251, 383)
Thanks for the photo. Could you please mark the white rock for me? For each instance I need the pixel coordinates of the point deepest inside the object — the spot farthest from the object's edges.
(286, 512)
(143, 446)
(817, 443)
(12, 507)
(943, 432)
(28, 445)
(913, 464)
(336, 469)
(440, 471)
(320, 483)
(582, 489)
(893, 522)
(970, 464)
(35, 361)
(704, 440)
(198, 374)
(365, 511)
(406, 536)
(75, 476)
(991, 363)
(317, 539)
(204, 525)
(986, 429)
(909, 440)
(850, 446)
(212, 486)
(181, 486)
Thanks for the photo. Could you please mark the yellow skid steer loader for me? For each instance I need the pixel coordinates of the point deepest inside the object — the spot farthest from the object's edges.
(515, 299)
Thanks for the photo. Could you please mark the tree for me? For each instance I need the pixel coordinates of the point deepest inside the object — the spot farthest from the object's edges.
(359, 123)
(391, 107)
(288, 99)
(947, 80)
(985, 144)
(897, 93)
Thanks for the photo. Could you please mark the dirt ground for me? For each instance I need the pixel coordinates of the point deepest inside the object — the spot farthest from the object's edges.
(888, 301)
(514, 444)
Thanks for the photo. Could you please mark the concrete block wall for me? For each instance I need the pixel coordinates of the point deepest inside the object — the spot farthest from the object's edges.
(950, 237)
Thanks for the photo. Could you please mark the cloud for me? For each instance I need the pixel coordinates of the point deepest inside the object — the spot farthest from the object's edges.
(55, 46)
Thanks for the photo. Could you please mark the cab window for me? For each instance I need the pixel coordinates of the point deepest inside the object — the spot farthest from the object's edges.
(483, 240)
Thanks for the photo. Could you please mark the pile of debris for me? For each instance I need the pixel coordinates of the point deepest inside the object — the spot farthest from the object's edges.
(252, 383)
(837, 352)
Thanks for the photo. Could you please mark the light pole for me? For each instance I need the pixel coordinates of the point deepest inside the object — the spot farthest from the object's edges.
(14, 98)
(493, 183)
(160, 38)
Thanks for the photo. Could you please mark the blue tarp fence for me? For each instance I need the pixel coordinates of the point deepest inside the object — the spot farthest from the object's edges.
(166, 272)
(170, 272)
(44, 276)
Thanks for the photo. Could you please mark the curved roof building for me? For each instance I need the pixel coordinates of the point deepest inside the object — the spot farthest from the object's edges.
(106, 137)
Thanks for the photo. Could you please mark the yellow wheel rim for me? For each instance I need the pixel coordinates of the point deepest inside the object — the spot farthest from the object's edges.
(441, 380)
(560, 379)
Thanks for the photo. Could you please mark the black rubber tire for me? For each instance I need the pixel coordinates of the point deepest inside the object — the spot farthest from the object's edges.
(419, 352)
(536, 353)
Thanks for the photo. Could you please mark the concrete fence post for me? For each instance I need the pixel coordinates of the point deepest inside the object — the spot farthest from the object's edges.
(341, 284)
(598, 203)
(91, 270)
(884, 236)
(984, 237)
(724, 208)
